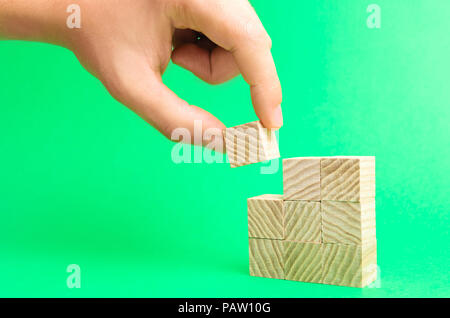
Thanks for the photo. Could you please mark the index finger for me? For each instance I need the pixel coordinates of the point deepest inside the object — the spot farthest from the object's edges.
(235, 26)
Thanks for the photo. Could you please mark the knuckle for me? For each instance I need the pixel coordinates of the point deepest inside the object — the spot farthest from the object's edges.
(172, 8)
(178, 8)
(114, 88)
(255, 34)
(113, 78)
(178, 5)
(117, 87)
(213, 80)
(276, 92)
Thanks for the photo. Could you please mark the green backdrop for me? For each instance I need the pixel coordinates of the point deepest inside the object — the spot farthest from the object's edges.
(84, 181)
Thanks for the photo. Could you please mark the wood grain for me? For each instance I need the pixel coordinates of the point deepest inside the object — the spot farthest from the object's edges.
(369, 262)
(301, 178)
(250, 143)
(349, 265)
(348, 222)
(368, 220)
(342, 265)
(302, 221)
(265, 216)
(266, 258)
(367, 177)
(341, 222)
(347, 178)
(303, 261)
(323, 228)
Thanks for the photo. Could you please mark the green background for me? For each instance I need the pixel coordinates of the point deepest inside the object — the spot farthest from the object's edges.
(83, 180)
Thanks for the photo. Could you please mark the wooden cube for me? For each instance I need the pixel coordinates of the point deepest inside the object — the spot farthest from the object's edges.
(265, 216)
(349, 265)
(266, 258)
(301, 178)
(250, 143)
(347, 178)
(348, 222)
(303, 261)
(302, 221)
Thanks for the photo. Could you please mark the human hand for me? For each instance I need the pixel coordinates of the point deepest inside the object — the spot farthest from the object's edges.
(127, 45)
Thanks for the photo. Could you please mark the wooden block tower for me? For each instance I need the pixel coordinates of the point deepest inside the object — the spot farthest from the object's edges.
(322, 230)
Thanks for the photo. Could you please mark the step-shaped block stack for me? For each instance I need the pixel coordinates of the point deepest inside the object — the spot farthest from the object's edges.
(322, 229)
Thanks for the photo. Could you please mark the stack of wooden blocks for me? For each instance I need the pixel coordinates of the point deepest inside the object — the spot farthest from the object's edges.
(322, 230)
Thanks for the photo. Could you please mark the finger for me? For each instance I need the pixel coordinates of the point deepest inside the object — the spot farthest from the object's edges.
(145, 93)
(258, 70)
(216, 66)
(235, 26)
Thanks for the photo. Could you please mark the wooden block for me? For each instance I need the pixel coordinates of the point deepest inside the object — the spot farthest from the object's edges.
(266, 258)
(369, 262)
(302, 221)
(348, 222)
(347, 178)
(349, 265)
(301, 178)
(250, 143)
(303, 261)
(265, 216)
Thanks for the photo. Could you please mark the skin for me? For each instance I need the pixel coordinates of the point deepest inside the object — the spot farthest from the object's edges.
(127, 45)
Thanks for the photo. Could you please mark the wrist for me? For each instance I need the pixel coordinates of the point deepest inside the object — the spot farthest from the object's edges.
(36, 20)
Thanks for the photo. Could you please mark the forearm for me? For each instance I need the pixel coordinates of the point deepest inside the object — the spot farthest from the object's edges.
(34, 20)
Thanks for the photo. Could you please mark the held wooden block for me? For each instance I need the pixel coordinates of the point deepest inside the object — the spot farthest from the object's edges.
(265, 216)
(302, 221)
(348, 222)
(250, 143)
(303, 261)
(301, 179)
(266, 258)
(347, 178)
(349, 265)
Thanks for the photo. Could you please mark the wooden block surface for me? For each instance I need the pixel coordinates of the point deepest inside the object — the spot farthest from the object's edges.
(302, 221)
(369, 262)
(250, 143)
(368, 220)
(342, 265)
(266, 258)
(347, 178)
(265, 216)
(303, 261)
(348, 222)
(301, 178)
(349, 265)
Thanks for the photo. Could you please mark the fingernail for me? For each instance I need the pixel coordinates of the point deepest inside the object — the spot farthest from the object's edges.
(277, 117)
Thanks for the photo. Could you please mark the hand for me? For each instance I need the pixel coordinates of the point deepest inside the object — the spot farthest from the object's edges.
(127, 45)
